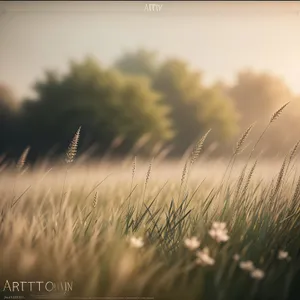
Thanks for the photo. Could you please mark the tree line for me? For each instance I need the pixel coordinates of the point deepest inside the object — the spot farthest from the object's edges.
(146, 105)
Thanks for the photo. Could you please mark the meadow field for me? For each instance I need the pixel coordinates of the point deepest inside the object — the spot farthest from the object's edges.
(141, 155)
(189, 229)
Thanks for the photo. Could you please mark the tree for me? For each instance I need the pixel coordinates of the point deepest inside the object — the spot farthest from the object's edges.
(258, 95)
(104, 102)
(194, 107)
(8, 118)
(8, 102)
(141, 62)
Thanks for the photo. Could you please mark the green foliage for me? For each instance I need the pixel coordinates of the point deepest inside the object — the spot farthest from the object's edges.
(104, 102)
(8, 118)
(142, 100)
(194, 107)
(141, 62)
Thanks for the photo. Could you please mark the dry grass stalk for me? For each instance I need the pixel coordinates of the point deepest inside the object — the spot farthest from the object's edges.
(133, 167)
(232, 160)
(249, 178)
(296, 194)
(240, 181)
(277, 114)
(290, 158)
(242, 140)
(197, 149)
(293, 151)
(184, 172)
(22, 160)
(192, 158)
(274, 117)
(95, 200)
(72, 150)
(148, 172)
(279, 179)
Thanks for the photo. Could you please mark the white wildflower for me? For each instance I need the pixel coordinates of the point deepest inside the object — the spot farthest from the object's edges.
(219, 232)
(203, 258)
(136, 242)
(220, 235)
(192, 243)
(282, 255)
(236, 257)
(247, 265)
(257, 274)
(219, 225)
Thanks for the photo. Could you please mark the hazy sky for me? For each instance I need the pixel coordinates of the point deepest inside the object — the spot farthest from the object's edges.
(219, 38)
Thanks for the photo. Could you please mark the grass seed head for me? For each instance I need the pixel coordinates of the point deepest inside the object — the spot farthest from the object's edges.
(242, 140)
(22, 160)
(95, 200)
(72, 150)
(198, 147)
(277, 113)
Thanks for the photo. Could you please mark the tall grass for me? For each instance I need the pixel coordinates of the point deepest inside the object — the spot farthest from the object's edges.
(128, 236)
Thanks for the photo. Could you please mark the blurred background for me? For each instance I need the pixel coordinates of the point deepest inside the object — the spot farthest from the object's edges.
(147, 83)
